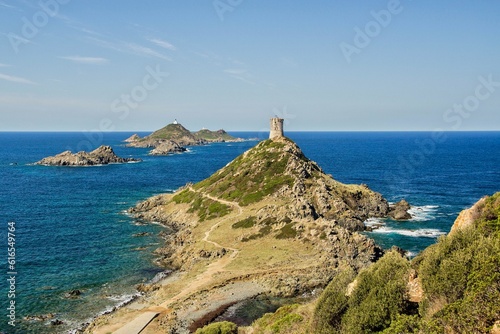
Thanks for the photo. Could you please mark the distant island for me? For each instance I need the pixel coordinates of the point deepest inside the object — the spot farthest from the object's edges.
(103, 155)
(174, 138)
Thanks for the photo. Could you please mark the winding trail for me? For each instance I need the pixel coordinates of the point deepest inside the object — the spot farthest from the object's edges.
(207, 233)
(141, 322)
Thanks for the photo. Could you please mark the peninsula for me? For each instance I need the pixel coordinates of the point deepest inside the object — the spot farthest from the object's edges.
(271, 222)
(103, 155)
(174, 138)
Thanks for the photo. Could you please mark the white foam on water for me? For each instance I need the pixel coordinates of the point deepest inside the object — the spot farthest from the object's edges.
(418, 233)
(423, 213)
(373, 222)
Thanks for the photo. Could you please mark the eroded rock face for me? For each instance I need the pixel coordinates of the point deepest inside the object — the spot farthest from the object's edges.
(399, 211)
(167, 147)
(467, 217)
(103, 155)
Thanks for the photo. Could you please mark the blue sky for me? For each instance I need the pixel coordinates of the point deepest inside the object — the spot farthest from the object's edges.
(72, 65)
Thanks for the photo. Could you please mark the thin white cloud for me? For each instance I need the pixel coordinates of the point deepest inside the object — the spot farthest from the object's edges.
(4, 65)
(86, 60)
(163, 44)
(3, 4)
(12, 78)
(145, 51)
(240, 74)
(130, 48)
(235, 71)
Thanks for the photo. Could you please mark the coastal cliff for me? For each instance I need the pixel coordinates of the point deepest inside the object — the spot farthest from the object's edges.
(451, 287)
(270, 222)
(103, 155)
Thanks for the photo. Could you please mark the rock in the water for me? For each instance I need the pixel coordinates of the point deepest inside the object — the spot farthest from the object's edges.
(167, 147)
(133, 138)
(103, 155)
(399, 211)
(141, 234)
(56, 322)
(73, 293)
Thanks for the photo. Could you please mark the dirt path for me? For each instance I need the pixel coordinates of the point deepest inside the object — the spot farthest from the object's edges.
(207, 233)
(206, 276)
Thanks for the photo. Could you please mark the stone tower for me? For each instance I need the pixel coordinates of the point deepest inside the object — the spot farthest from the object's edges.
(276, 128)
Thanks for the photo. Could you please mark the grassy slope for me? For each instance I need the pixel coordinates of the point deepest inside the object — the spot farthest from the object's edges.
(171, 132)
(213, 135)
(251, 176)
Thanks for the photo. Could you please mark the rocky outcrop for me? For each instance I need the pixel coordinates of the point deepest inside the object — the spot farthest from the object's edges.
(399, 211)
(167, 147)
(103, 155)
(133, 138)
(468, 216)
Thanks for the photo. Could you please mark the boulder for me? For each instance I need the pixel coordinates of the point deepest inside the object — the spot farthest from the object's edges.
(399, 211)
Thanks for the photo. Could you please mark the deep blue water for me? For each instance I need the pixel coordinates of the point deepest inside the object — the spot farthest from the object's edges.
(72, 232)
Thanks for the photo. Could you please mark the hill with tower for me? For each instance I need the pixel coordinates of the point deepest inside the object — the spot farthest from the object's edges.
(270, 222)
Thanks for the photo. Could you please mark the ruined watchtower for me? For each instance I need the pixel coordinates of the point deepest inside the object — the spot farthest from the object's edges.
(276, 128)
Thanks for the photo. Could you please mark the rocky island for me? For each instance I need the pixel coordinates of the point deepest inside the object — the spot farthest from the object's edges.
(103, 155)
(174, 138)
(271, 222)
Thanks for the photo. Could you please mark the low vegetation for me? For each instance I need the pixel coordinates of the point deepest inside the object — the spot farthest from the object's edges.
(245, 223)
(286, 319)
(224, 327)
(248, 180)
(205, 208)
(459, 275)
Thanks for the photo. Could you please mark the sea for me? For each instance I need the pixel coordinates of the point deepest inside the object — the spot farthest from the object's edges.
(69, 227)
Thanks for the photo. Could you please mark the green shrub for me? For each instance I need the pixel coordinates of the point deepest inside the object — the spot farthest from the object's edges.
(245, 223)
(404, 324)
(379, 296)
(477, 307)
(224, 327)
(282, 321)
(332, 304)
(263, 231)
(206, 208)
(287, 232)
(185, 196)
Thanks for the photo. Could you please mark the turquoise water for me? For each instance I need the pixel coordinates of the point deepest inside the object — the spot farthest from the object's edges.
(72, 231)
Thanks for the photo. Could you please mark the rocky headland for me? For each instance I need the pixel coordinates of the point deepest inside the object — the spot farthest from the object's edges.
(103, 155)
(174, 138)
(270, 222)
